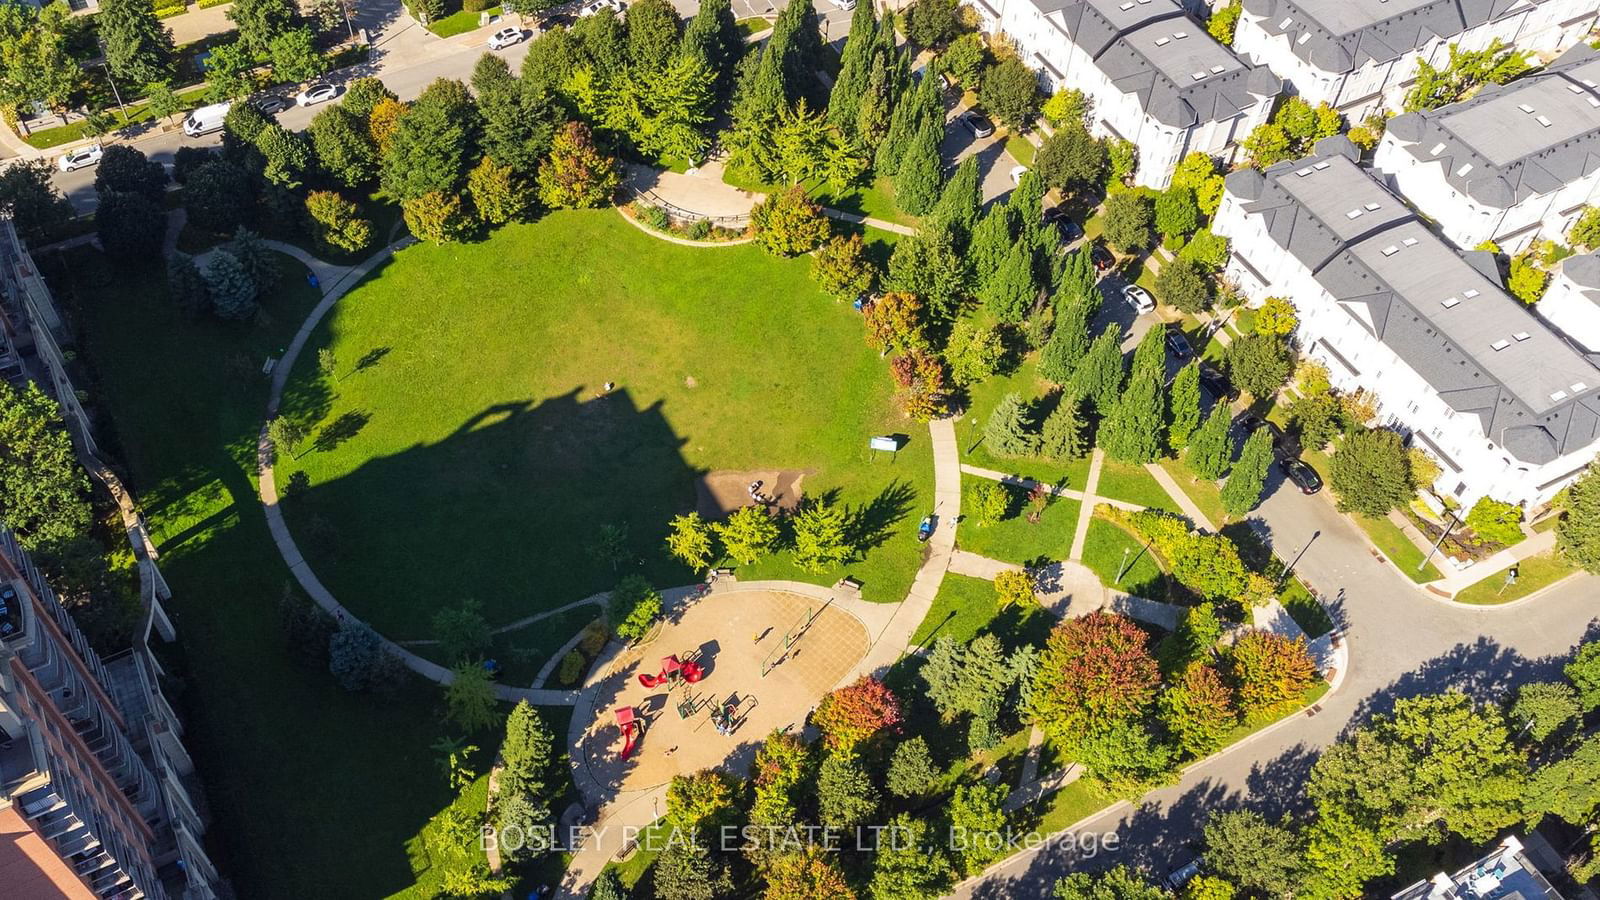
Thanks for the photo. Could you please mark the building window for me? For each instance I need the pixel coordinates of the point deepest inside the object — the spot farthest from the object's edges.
(1461, 488)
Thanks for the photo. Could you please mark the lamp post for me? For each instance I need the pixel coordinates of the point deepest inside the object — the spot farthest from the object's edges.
(112, 81)
(1290, 568)
(1123, 568)
(1455, 516)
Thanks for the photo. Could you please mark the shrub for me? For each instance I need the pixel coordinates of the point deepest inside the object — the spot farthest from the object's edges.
(787, 223)
(989, 503)
(655, 217)
(1496, 521)
(437, 217)
(593, 638)
(337, 223)
(572, 666)
(633, 608)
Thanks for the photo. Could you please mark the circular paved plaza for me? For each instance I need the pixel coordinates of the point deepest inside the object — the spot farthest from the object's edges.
(719, 631)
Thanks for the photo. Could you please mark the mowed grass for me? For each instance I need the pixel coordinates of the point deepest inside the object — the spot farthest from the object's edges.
(1388, 537)
(1025, 382)
(1016, 540)
(1103, 552)
(1131, 483)
(1534, 573)
(315, 792)
(473, 457)
(965, 607)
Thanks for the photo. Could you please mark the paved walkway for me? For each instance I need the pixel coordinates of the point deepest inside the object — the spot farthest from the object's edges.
(1179, 496)
(882, 224)
(1028, 484)
(700, 191)
(1086, 513)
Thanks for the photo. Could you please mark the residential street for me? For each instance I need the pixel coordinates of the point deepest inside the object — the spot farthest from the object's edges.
(1401, 643)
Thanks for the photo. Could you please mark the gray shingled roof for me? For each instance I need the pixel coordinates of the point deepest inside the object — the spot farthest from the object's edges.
(1512, 142)
(1152, 48)
(1343, 35)
(1485, 353)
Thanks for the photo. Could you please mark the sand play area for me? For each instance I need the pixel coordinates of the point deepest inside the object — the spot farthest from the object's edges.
(719, 631)
(721, 492)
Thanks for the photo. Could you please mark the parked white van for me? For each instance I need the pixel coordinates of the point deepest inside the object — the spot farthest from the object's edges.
(206, 119)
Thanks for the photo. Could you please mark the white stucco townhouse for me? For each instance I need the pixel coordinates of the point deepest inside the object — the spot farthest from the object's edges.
(1155, 76)
(1361, 55)
(1506, 404)
(1512, 164)
(1571, 303)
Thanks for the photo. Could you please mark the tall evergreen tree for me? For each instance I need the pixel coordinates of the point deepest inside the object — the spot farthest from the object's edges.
(855, 69)
(1027, 206)
(713, 35)
(1010, 292)
(1211, 448)
(1184, 415)
(1068, 343)
(1065, 433)
(1243, 488)
(1132, 431)
(990, 244)
(138, 49)
(916, 183)
(797, 38)
(1009, 431)
(961, 201)
(1099, 376)
(1150, 357)
(875, 110)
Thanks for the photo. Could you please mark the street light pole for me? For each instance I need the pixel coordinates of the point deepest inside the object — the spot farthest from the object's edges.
(1290, 568)
(1123, 568)
(1455, 517)
(112, 81)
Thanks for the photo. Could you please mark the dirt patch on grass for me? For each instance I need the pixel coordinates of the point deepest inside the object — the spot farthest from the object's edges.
(719, 493)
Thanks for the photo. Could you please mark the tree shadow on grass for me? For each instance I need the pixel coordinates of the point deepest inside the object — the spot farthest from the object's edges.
(370, 359)
(340, 430)
(868, 526)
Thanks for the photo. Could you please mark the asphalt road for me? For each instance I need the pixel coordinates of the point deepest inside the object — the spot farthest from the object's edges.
(1402, 643)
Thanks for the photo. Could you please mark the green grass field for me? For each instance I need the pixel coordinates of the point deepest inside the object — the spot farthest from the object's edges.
(275, 740)
(1132, 484)
(1533, 574)
(471, 456)
(1393, 542)
(965, 607)
(1204, 494)
(1016, 540)
(1103, 553)
(459, 22)
(133, 114)
(981, 402)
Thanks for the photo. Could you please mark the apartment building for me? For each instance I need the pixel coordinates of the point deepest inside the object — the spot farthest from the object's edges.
(1571, 302)
(1507, 405)
(1153, 74)
(1360, 56)
(1513, 164)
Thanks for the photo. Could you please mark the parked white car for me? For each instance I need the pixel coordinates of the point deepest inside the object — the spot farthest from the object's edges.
(77, 159)
(845, 5)
(1139, 298)
(505, 37)
(316, 93)
(1017, 172)
(591, 8)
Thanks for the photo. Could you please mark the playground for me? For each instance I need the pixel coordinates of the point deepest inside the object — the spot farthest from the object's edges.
(681, 726)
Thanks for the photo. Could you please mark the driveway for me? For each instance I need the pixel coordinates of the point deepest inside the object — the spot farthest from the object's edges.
(1401, 643)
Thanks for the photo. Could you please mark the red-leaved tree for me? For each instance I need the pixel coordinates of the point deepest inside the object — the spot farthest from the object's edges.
(1268, 669)
(856, 712)
(1095, 671)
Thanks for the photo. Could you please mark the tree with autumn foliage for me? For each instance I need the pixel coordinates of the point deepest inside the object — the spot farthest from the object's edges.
(1095, 671)
(1268, 669)
(896, 322)
(576, 174)
(809, 874)
(856, 712)
(1199, 710)
(788, 223)
(923, 386)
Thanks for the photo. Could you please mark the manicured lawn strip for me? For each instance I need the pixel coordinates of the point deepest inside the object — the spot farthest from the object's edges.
(459, 22)
(1103, 553)
(1533, 573)
(1548, 523)
(1016, 540)
(275, 740)
(1073, 803)
(753, 26)
(1305, 609)
(875, 201)
(965, 607)
(1204, 494)
(1020, 148)
(1132, 484)
(633, 868)
(45, 138)
(1393, 542)
(482, 440)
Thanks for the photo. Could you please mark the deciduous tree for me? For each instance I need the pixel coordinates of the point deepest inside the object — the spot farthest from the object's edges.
(788, 223)
(690, 540)
(1211, 452)
(29, 197)
(1127, 221)
(974, 352)
(1072, 160)
(337, 223)
(498, 193)
(821, 538)
(841, 268)
(125, 170)
(469, 697)
(633, 607)
(748, 534)
(1268, 670)
(433, 140)
(295, 57)
(1095, 670)
(1371, 473)
(976, 819)
(909, 864)
(43, 492)
(1544, 708)
(130, 226)
(260, 21)
(1010, 90)
(1260, 364)
(343, 146)
(846, 796)
(1258, 855)
(1198, 710)
(138, 49)
(856, 712)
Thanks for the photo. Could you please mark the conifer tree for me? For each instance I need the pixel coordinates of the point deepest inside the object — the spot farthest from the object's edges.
(961, 201)
(1210, 448)
(1243, 488)
(1010, 292)
(1027, 206)
(916, 184)
(1184, 415)
(1150, 357)
(990, 244)
(1009, 431)
(1065, 435)
(1132, 431)
(1068, 343)
(714, 36)
(855, 69)
(1098, 378)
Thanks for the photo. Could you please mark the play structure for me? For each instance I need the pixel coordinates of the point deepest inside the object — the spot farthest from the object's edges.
(630, 723)
(796, 631)
(673, 672)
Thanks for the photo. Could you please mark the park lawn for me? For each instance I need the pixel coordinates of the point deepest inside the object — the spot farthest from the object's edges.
(754, 25)
(524, 651)
(965, 607)
(651, 839)
(1016, 540)
(1203, 493)
(1397, 547)
(1548, 523)
(1305, 609)
(1132, 484)
(133, 114)
(983, 397)
(275, 740)
(463, 450)
(875, 201)
(459, 22)
(1533, 574)
(1103, 553)
(432, 862)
